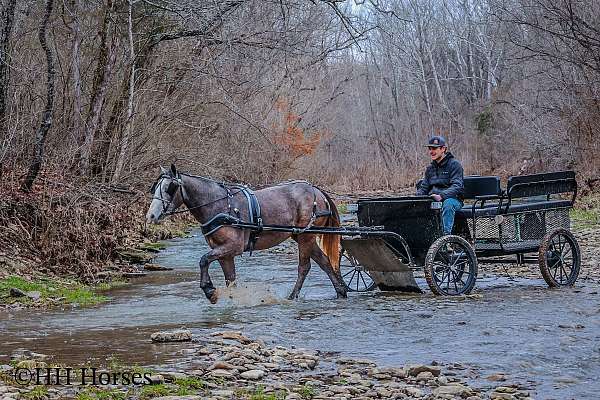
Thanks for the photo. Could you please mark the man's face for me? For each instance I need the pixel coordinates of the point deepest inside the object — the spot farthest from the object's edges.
(437, 153)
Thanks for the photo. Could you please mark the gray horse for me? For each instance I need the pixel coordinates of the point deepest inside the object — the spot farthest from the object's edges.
(289, 204)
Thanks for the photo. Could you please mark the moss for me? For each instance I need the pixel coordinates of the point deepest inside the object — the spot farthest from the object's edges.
(37, 393)
(190, 383)
(308, 392)
(51, 291)
(93, 393)
(153, 247)
(149, 392)
(114, 284)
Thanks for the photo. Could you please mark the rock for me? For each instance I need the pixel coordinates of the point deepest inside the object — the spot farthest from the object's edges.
(156, 267)
(453, 389)
(501, 396)
(415, 370)
(413, 391)
(156, 379)
(253, 374)
(233, 335)
(14, 292)
(180, 335)
(223, 393)
(221, 373)
(425, 376)
(294, 396)
(134, 256)
(189, 397)
(34, 295)
(173, 376)
(221, 365)
(505, 389)
(496, 378)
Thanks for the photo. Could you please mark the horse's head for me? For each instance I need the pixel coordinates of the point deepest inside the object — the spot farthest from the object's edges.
(166, 193)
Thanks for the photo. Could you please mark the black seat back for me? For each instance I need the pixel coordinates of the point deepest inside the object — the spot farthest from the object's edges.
(476, 185)
(541, 184)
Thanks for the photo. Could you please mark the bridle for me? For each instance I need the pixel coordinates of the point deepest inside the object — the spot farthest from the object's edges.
(177, 184)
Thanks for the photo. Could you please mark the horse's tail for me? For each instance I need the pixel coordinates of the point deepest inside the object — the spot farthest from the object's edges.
(331, 243)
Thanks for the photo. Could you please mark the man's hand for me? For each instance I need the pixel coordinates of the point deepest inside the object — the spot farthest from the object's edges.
(436, 197)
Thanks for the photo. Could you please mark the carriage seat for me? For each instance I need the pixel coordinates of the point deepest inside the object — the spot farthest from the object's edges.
(531, 192)
(481, 191)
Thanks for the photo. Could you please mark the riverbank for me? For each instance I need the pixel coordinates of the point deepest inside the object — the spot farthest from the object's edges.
(66, 242)
(230, 365)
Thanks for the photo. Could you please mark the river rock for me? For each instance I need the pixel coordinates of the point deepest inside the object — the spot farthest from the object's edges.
(223, 393)
(233, 335)
(156, 379)
(505, 389)
(501, 396)
(414, 370)
(156, 267)
(221, 365)
(425, 376)
(221, 373)
(34, 295)
(453, 389)
(413, 391)
(253, 374)
(15, 292)
(180, 335)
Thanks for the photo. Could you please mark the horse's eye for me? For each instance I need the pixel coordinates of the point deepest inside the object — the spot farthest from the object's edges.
(172, 188)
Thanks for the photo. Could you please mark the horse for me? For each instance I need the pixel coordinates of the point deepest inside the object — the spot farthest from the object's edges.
(212, 203)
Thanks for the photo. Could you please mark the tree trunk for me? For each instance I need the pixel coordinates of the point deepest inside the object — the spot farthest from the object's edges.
(40, 136)
(106, 59)
(8, 17)
(76, 72)
(125, 138)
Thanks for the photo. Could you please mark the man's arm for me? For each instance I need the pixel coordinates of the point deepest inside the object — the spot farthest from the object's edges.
(457, 186)
(424, 186)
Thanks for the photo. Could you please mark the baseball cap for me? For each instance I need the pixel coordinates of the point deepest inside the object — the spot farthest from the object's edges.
(436, 141)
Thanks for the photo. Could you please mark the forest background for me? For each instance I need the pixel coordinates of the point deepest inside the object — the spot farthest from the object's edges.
(94, 95)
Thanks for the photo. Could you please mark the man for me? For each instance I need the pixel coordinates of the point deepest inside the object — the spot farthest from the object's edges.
(443, 181)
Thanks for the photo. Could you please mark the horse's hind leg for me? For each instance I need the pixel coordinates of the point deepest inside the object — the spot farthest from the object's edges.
(321, 259)
(303, 267)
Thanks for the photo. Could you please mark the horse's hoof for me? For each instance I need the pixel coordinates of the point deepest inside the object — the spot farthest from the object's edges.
(214, 298)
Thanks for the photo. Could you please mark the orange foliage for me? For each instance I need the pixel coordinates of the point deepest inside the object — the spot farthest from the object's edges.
(290, 136)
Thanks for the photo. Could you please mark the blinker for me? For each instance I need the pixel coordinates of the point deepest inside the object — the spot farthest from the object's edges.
(172, 188)
(152, 188)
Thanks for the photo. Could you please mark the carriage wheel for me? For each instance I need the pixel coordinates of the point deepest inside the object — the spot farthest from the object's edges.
(451, 266)
(560, 258)
(354, 276)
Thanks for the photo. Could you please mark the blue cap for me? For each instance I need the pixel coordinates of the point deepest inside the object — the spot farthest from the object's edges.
(436, 141)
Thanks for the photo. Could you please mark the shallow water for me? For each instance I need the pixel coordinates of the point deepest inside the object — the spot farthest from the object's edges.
(547, 340)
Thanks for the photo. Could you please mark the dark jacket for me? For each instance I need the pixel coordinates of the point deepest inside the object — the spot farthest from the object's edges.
(445, 179)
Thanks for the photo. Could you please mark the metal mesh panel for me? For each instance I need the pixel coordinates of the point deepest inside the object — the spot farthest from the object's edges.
(526, 228)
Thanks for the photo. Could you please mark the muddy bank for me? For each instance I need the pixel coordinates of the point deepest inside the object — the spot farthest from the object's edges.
(229, 365)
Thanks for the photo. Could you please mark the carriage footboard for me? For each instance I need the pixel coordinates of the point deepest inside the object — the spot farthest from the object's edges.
(388, 269)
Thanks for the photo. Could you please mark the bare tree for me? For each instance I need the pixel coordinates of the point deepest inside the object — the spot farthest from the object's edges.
(7, 18)
(41, 133)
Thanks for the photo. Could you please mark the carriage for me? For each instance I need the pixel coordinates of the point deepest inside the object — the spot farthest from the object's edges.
(528, 222)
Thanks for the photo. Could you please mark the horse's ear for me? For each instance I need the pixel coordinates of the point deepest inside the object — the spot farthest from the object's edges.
(163, 171)
(173, 170)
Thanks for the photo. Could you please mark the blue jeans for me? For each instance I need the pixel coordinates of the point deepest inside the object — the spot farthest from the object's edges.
(449, 207)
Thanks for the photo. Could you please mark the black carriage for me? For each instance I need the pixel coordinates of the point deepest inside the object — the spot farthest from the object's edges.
(528, 221)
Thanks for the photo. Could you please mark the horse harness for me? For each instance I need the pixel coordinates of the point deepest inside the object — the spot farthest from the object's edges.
(255, 223)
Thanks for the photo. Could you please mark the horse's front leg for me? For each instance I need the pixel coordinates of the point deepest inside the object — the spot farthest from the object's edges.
(218, 253)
